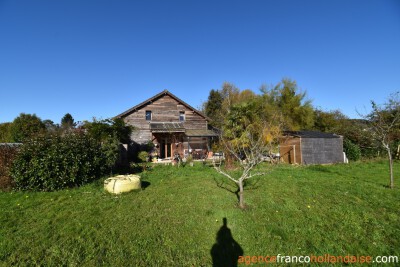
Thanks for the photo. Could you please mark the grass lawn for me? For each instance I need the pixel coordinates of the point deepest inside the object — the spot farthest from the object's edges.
(337, 210)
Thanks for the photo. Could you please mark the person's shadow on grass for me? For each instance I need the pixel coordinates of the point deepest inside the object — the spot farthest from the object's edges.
(226, 251)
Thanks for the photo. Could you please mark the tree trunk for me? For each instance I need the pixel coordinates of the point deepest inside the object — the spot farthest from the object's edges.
(241, 195)
(390, 168)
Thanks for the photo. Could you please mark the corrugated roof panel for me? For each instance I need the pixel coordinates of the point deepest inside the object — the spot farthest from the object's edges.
(164, 127)
(199, 133)
(311, 134)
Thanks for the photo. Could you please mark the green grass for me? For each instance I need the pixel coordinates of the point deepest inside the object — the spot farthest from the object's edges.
(339, 209)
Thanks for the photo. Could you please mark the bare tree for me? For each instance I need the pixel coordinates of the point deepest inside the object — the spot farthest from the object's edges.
(249, 148)
(384, 122)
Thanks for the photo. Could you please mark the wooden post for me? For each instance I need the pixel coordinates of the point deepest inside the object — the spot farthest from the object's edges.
(294, 154)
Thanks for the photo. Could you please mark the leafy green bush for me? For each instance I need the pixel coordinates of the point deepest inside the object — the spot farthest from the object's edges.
(110, 149)
(53, 162)
(143, 156)
(352, 150)
(103, 129)
(7, 154)
(110, 133)
(5, 132)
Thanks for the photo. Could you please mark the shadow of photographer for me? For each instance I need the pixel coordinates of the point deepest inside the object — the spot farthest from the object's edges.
(226, 251)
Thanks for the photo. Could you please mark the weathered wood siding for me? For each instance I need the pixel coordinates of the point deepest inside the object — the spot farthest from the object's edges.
(290, 150)
(163, 109)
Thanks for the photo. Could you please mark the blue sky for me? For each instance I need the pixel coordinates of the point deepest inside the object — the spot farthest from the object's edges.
(99, 58)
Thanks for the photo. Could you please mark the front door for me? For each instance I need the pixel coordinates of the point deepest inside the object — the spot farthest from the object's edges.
(165, 150)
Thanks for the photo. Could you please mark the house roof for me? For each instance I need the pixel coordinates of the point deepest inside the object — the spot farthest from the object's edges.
(200, 133)
(166, 127)
(311, 134)
(177, 127)
(157, 96)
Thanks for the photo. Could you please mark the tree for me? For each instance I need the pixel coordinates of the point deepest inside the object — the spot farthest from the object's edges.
(110, 133)
(5, 132)
(219, 102)
(230, 95)
(50, 125)
(212, 107)
(248, 139)
(384, 123)
(103, 129)
(357, 131)
(26, 126)
(246, 95)
(67, 122)
(286, 97)
(121, 130)
(328, 121)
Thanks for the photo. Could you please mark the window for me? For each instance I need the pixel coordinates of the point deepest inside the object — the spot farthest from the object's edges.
(182, 116)
(148, 115)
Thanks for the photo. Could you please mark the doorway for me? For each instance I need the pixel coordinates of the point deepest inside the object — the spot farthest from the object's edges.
(165, 150)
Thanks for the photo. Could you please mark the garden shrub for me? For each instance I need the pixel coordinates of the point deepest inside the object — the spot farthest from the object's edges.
(144, 158)
(111, 150)
(352, 150)
(53, 162)
(111, 133)
(7, 154)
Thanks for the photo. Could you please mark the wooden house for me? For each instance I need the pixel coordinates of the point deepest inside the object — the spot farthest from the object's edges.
(308, 147)
(172, 125)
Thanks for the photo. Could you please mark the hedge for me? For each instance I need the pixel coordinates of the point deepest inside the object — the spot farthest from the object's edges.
(53, 162)
(8, 152)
